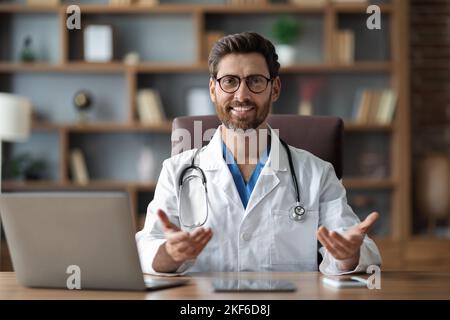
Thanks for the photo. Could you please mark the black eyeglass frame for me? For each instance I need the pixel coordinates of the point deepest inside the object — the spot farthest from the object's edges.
(246, 79)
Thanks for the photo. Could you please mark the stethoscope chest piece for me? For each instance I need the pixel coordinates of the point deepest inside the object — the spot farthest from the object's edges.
(297, 213)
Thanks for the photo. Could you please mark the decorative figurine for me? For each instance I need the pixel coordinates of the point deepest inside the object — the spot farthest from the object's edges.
(27, 54)
(83, 102)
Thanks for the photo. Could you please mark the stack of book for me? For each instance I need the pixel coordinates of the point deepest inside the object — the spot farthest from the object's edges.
(344, 46)
(149, 107)
(374, 106)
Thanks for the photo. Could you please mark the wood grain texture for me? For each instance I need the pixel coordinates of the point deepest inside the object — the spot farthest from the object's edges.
(394, 285)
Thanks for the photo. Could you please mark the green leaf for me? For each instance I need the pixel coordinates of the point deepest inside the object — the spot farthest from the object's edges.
(286, 30)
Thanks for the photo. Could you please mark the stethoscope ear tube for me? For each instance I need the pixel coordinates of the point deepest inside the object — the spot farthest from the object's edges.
(193, 166)
(291, 168)
(182, 179)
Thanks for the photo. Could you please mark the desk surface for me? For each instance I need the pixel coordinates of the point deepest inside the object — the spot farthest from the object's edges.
(394, 285)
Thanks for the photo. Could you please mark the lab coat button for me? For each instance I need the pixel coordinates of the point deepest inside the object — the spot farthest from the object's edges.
(245, 236)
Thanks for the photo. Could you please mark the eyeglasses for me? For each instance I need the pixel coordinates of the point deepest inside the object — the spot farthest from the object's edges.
(255, 83)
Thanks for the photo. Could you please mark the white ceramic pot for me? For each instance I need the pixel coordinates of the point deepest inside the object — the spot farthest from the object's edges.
(286, 54)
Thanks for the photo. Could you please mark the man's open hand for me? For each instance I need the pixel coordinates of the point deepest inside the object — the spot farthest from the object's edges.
(183, 245)
(345, 248)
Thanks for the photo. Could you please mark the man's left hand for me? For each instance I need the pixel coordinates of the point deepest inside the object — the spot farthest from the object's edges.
(345, 248)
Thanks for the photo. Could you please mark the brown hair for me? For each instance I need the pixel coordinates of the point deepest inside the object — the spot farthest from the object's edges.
(245, 42)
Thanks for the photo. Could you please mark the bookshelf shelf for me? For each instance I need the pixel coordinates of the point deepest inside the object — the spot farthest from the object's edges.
(31, 185)
(329, 68)
(263, 9)
(92, 185)
(148, 67)
(22, 8)
(359, 8)
(169, 68)
(61, 68)
(350, 126)
(369, 69)
(194, 8)
(368, 183)
(164, 127)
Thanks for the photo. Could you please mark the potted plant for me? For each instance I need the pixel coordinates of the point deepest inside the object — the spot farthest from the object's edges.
(286, 31)
(24, 167)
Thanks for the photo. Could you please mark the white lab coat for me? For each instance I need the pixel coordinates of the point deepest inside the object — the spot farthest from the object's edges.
(260, 237)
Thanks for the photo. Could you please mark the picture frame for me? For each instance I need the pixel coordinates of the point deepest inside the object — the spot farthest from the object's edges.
(98, 43)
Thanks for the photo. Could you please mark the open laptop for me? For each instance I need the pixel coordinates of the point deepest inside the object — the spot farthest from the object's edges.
(53, 236)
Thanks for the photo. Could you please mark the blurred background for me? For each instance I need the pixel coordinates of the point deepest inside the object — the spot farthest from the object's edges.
(105, 85)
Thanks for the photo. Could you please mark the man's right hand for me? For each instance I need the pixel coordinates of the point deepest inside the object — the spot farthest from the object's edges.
(182, 245)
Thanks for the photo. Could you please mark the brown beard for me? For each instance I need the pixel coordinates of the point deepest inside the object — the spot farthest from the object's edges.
(224, 114)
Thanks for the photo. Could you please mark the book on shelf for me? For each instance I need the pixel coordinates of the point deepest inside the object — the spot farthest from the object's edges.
(149, 107)
(345, 46)
(374, 106)
(388, 103)
(78, 167)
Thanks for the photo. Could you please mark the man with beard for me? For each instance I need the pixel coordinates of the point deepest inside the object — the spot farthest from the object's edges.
(249, 188)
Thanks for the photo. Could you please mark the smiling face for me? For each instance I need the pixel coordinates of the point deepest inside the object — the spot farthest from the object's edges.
(243, 109)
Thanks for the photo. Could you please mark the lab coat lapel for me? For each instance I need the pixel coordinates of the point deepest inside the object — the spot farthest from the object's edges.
(211, 161)
(268, 178)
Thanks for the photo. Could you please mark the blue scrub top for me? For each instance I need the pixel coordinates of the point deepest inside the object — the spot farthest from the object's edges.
(244, 190)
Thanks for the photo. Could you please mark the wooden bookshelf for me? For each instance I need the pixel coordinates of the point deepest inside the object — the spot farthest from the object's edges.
(395, 68)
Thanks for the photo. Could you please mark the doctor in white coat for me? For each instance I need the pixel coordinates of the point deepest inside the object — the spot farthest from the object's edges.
(250, 191)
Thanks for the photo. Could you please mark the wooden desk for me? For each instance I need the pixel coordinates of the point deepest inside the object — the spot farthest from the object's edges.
(394, 285)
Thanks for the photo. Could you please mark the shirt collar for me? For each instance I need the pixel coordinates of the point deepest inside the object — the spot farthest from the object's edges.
(229, 159)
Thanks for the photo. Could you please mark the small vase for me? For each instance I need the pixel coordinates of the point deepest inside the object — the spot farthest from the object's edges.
(432, 188)
(146, 165)
(286, 54)
(305, 108)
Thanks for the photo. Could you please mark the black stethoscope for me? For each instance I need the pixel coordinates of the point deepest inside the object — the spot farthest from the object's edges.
(297, 213)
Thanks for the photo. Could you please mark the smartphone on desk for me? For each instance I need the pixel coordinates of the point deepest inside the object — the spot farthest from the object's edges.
(345, 281)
